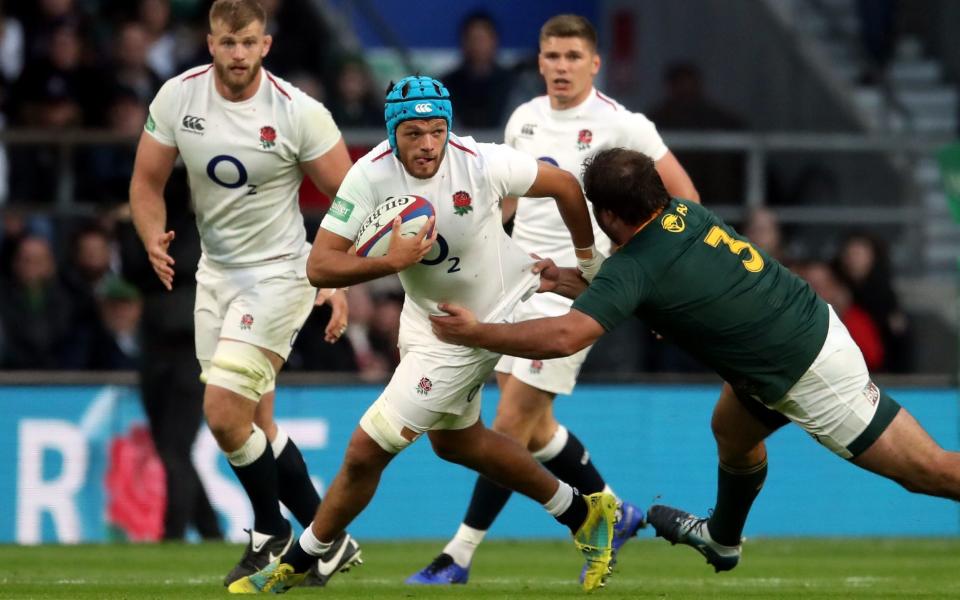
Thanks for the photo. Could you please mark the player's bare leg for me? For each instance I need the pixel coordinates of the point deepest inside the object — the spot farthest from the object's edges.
(905, 453)
(525, 414)
(228, 416)
(518, 417)
(509, 464)
(742, 470)
(353, 487)
(497, 457)
(237, 371)
(325, 546)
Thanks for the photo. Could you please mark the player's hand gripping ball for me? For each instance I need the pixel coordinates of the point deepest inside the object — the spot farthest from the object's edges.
(373, 239)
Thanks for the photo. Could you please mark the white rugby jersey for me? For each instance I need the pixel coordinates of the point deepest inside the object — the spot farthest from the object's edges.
(473, 263)
(242, 161)
(566, 138)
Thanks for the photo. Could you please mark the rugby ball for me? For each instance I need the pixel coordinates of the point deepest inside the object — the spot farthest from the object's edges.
(373, 239)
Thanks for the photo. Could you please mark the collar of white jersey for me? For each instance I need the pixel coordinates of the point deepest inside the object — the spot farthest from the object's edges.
(568, 114)
(264, 80)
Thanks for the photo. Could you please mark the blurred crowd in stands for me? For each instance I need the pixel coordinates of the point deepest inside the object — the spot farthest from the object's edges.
(78, 293)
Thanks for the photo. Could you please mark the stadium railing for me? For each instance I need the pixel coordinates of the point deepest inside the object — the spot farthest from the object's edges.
(757, 147)
(900, 153)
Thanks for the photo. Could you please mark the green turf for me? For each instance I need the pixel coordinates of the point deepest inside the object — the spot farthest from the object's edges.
(863, 568)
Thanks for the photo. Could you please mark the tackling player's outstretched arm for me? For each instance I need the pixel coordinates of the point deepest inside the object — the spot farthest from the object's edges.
(328, 170)
(675, 178)
(151, 170)
(550, 337)
(332, 264)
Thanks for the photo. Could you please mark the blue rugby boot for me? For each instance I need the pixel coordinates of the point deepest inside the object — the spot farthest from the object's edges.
(442, 571)
(630, 520)
(679, 527)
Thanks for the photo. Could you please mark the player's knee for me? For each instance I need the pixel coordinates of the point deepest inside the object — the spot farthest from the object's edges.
(357, 464)
(449, 451)
(248, 448)
(724, 431)
(513, 426)
(386, 431)
(228, 433)
(515, 422)
(242, 369)
(224, 422)
(543, 434)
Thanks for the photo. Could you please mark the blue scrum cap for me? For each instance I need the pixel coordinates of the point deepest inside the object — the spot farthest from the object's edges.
(416, 97)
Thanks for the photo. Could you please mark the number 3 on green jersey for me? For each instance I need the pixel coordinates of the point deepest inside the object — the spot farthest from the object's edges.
(717, 236)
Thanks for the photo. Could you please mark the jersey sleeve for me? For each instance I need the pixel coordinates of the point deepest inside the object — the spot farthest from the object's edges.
(512, 129)
(511, 172)
(318, 132)
(640, 134)
(615, 293)
(354, 202)
(162, 116)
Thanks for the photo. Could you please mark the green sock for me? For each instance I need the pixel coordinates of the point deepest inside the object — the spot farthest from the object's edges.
(736, 491)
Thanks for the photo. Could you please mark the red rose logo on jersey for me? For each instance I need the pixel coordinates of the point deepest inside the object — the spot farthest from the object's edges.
(584, 137)
(536, 366)
(268, 137)
(246, 321)
(462, 203)
(424, 387)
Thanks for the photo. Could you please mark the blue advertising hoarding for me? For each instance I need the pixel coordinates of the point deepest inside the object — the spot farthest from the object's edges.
(80, 467)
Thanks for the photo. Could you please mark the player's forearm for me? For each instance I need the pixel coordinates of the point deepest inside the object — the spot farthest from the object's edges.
(147, 209)
(573, 211)
(537, 338)
(570, 284)
(336, 269)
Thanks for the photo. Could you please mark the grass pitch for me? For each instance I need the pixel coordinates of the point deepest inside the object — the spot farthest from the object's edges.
(771, 568)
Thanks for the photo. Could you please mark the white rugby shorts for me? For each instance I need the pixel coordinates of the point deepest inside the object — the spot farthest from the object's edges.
(835, 401)
(264, 305)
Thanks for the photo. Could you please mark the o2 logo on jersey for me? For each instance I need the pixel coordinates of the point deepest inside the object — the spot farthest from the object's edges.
(440, 253)
(229, 172)
(550, 160)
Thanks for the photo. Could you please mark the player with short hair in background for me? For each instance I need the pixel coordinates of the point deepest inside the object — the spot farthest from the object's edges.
(572, 122)
(436, 390)
(246, 138)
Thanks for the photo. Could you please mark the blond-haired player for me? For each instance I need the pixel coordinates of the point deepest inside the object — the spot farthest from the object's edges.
(246, 138)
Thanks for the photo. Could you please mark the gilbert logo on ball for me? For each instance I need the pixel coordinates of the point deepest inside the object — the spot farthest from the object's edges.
(373, 239)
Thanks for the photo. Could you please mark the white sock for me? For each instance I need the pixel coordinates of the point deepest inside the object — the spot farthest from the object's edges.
(560, 501)
(609, 490)
(554, 446)
(251, 449)
(311, 545)
(464, 544)
(279, 441)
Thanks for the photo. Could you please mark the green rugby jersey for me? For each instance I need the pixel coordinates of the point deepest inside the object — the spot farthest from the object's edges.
(697, 282)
